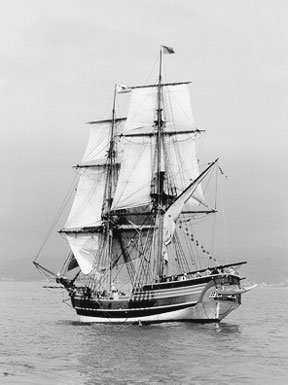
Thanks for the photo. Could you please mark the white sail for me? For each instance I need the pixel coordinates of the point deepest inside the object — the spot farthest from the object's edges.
(177, 112)
(182, 164)
(84, 247)
(99, 140)
(88, 201)
(175, 209)
(177, 109)
(87, 205)
(178, 153)
(134, 182)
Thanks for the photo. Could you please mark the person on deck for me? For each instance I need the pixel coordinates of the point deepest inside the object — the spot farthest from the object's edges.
(114, 291)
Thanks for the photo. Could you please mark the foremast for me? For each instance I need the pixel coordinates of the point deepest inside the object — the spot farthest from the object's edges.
(89, 227)
(111, 179)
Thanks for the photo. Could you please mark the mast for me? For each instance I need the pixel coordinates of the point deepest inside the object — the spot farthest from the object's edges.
(111, 158)
(159, 176)
(159, 124)
(109, 185)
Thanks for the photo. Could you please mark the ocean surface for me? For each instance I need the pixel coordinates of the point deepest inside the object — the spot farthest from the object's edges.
(43, 343)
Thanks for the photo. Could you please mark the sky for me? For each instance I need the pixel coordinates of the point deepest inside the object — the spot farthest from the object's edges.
(60, 59)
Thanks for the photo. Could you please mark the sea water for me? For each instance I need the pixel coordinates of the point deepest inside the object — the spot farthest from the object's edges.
(43, 343)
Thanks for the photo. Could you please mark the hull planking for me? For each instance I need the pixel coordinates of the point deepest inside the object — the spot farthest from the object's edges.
(205, 299)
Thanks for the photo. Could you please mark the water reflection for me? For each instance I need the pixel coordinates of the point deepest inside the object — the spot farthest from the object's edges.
(226, 328)
(223, 328)
(123, 354)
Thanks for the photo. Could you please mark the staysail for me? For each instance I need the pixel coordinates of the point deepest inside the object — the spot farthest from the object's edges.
(175, 209)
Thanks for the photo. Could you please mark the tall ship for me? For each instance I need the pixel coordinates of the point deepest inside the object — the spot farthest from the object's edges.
(136, 256)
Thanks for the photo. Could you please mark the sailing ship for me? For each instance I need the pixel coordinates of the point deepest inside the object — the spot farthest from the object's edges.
(132, 228)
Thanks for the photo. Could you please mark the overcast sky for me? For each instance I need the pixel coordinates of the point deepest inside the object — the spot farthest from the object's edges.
(59, 60)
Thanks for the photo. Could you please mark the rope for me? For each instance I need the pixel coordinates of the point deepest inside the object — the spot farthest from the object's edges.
(197, 243)
(58, 215)
(224, 225)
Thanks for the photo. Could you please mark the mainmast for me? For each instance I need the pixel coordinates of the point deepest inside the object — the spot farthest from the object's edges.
(159, 177)
(111, 160)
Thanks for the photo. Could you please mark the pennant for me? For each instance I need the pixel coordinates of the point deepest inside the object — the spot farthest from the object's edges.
(222, 172)
(167, 50)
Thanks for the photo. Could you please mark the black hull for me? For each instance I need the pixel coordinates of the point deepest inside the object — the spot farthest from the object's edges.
(191, 300)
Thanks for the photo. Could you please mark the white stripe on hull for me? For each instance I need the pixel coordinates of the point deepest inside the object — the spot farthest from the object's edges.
(139, 308)
(197, 289)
